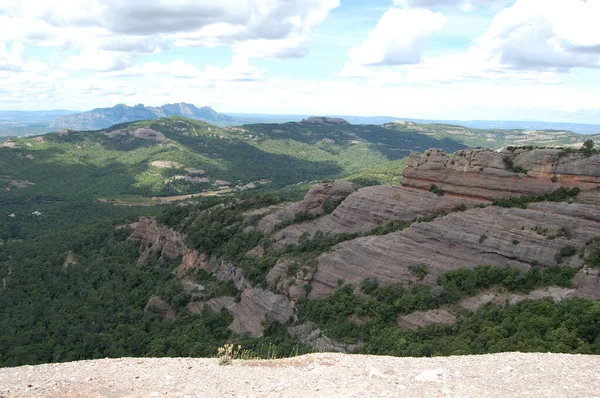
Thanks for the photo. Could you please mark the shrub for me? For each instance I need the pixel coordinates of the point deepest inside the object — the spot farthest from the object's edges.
(227, 353)
(564, 232)
(419, 271)
(593, 249)
(565, 252)
(369, 285)
(460, 207)
(329, 205)
(510, 165)
(436, 190)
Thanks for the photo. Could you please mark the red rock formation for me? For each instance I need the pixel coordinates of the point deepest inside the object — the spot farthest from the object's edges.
(484, 174)
(371, 207)
(154, 238)
(313, 203)
(494, 235)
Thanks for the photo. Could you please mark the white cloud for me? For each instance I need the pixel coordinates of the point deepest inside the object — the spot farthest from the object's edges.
(13, 59)
(398, 38)
(462, 5)
(543, 34)
(98, 60)
(259, 28)
(532, 41)
(238, 71)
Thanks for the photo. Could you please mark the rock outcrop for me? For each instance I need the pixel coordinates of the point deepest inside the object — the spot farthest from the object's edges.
(489, 175)
(154, 239)
(315, 201)
(418, 319)
(255, 305)
(475, 235)
(492, 235)
(163, 307)
(309, 333)
(250, 313)
(374, 206)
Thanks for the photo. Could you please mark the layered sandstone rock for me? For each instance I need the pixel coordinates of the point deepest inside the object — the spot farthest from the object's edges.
(374, 206)
(318, 197)
(423, 318)
(485, 174)
(250, 313)
(154, 238)
(493, 235)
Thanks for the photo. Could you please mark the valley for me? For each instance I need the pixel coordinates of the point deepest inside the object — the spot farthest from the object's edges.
(460, 251)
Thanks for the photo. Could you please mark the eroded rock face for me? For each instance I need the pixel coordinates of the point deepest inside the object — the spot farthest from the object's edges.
(154, 238)
(249, 314)
(309, 333)
(493, 235)
(318, 196)
(165, 309)
(371, 207)
(484, 174)
(423, 318)
(293, 286)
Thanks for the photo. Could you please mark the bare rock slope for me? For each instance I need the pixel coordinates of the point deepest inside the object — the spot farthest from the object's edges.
(476, 235)
(490, 175)
(317, 375)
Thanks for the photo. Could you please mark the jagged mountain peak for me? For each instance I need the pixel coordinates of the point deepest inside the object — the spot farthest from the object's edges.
(100, 118)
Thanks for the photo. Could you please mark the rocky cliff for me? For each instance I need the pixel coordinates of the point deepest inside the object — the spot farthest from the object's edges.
(488, 175)
(492, 235)
(467, 232)
(249, 312)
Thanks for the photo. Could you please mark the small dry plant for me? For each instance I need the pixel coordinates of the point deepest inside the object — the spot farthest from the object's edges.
(228, 353)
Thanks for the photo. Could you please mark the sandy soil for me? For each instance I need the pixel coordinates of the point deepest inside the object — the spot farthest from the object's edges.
(316, 375)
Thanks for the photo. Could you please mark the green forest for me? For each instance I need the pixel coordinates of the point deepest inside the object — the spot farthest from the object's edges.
(93, 307)
(71, 286)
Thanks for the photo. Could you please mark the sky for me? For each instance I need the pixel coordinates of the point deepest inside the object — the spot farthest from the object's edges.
(430, 59)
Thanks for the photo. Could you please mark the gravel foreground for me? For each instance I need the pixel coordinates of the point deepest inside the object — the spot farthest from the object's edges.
(315, 375)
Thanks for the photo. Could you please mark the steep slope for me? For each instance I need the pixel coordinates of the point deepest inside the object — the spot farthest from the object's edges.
(388, 234)
(411, 270)
(494, 236)
(489, 175)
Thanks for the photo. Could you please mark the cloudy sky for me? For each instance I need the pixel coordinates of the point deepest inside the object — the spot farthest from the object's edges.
(436, 59)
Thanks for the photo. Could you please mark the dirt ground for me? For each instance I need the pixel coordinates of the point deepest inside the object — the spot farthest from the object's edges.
(316, 375)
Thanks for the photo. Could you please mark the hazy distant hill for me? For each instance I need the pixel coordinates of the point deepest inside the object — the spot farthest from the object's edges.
(17, 123)
(495, 138)
(100, 118)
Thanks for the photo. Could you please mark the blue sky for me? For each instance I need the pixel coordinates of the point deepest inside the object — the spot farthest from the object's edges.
(434, 59)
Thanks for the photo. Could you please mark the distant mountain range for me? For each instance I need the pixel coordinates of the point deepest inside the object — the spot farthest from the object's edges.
(100, 118)
(579, 128)
(19, 123)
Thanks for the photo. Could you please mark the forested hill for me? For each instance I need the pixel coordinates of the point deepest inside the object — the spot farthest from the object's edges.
(72, 176)
(495, 138)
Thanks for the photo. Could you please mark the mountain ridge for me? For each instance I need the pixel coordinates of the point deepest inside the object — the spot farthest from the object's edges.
(101, 118)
